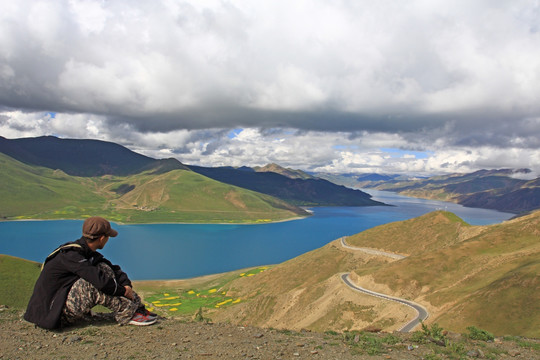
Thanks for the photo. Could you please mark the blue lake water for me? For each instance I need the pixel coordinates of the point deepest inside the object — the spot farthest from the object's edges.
(175, 251)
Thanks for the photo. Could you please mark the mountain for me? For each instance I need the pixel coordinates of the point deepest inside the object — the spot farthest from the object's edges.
(358, 181)
(304, 192)
(82, 157)
(290, 173)
(94, 158)
(464, 275)
(32, 192)
(502, 190)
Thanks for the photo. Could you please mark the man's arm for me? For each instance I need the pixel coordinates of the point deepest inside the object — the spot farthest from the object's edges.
(83, 268)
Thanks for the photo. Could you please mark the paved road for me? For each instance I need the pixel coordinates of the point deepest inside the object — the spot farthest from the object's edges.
(422, 313)
(371, 251)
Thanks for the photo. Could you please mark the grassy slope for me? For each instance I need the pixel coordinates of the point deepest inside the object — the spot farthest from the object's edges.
(424, 233)
(454, 269)
(476, 280)
(17, 278)
(30, 191)
(174, 196)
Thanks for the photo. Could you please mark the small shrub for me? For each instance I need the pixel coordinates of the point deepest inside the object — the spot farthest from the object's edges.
(368, 343)
(435, 334)
(391, 339)
(479, 334)
(419, 337)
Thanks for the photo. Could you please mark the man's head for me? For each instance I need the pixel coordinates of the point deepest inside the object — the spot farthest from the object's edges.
(95, 227)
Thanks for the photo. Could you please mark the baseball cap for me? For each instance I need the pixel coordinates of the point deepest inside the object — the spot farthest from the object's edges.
(96, 226)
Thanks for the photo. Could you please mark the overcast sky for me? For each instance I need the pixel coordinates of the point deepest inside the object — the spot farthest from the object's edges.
(422, 87)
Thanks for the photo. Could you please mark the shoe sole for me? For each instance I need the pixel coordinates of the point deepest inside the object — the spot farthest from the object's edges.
(143, 323)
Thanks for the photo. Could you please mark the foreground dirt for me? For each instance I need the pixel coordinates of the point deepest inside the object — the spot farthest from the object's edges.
(173, 339)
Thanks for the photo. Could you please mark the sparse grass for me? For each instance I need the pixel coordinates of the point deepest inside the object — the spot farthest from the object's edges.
(523, 342)
(368, 343)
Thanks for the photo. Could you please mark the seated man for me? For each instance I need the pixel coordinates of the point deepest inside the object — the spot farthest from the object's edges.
(75, 278)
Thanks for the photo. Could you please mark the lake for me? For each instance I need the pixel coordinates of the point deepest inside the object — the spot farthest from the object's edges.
(176, 251)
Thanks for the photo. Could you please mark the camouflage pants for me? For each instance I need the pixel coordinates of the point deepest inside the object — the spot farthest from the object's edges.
(83, 296)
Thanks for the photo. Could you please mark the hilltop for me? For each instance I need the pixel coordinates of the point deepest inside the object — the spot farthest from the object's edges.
(290, 173)
(88, 158)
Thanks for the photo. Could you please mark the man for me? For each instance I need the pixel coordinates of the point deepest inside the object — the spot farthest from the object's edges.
(75, 278)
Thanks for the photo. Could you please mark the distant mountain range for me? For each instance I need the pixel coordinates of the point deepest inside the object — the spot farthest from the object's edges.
(48, 177)
(502, 190)
(506, 190)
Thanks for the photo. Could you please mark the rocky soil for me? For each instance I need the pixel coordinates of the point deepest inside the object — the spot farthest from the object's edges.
(174, 339)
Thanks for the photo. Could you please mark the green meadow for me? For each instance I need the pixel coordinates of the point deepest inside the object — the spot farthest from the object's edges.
(17, 278)
(177, 196)
(172, 301)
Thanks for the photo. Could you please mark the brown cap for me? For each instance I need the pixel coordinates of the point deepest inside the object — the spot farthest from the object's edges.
(96, 226)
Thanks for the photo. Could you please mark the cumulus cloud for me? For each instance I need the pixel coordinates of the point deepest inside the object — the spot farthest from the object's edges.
(324, 85)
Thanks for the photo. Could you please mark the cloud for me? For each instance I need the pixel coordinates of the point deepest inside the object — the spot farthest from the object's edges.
(458, 79)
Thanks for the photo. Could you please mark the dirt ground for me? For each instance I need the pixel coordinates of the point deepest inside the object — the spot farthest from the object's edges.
(174, 339)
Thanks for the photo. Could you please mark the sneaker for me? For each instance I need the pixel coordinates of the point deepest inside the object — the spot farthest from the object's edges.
(141, 320)
(147, 313)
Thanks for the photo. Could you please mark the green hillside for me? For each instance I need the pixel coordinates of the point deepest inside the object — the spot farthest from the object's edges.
(17, 278)
(31, 192)
(36, 192)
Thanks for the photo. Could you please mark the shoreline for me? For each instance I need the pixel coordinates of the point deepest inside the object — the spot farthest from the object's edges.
(167, 223)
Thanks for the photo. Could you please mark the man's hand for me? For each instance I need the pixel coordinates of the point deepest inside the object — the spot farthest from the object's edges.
(129, 292)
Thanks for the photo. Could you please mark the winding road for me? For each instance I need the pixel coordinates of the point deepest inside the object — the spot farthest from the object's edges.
(422, 313)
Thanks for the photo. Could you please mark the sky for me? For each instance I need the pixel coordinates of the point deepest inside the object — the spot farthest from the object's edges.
(419, 87)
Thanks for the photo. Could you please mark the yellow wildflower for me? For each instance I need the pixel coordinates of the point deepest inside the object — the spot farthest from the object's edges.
(224, 302)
